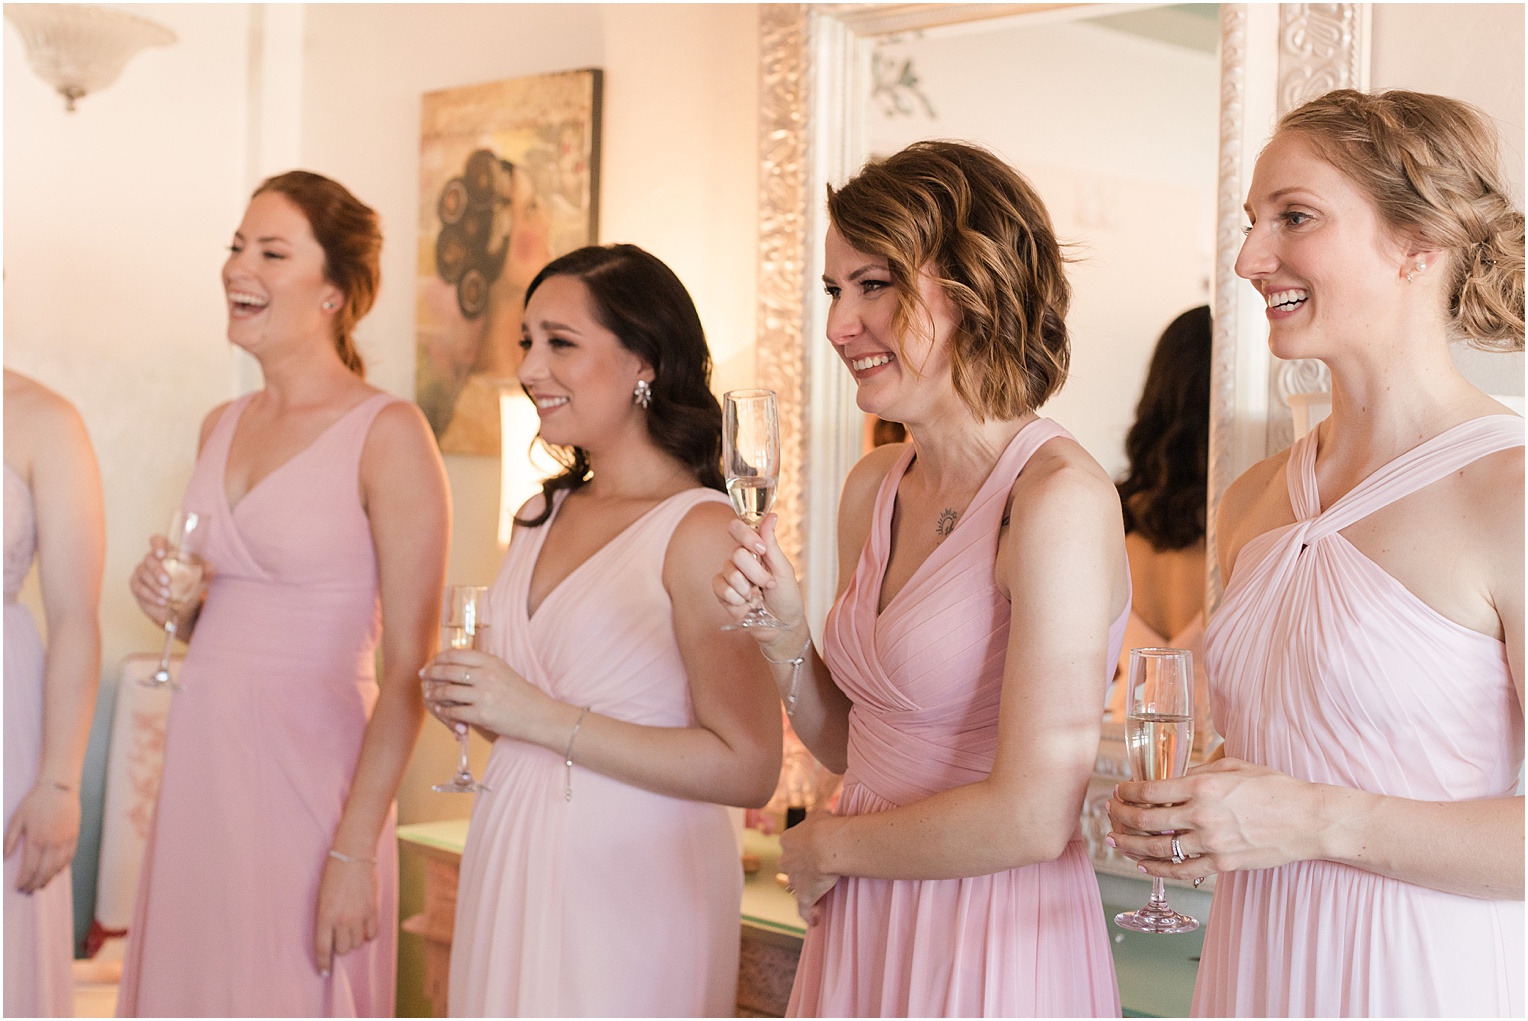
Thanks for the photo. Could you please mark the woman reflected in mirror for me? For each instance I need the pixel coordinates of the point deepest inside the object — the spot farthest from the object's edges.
(983, 595)
(1366, 660)
(1163, 498)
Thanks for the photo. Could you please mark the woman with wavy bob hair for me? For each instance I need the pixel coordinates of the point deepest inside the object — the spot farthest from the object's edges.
(623, 716)
(1366, 661)
(983, 592)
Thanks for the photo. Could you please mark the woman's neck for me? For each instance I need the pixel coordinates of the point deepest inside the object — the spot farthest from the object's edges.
(304, 374)
(953, 451)
(636, 469)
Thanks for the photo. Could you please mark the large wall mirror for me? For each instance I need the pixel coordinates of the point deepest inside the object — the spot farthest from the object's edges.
(1138, 124)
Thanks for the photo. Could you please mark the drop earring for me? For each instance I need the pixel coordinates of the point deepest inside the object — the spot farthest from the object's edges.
(642, 396)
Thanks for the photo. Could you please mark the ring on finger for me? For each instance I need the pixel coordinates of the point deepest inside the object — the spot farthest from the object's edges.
(466, 676)
(1178, 856)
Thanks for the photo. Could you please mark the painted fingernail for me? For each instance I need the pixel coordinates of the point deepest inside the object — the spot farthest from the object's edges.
(1141, 867)
(1110, 841)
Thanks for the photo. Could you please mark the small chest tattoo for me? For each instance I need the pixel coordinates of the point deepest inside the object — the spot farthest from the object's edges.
(946, 523)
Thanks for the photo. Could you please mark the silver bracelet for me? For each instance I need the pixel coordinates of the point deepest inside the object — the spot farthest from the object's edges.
(567, 756)
(795, 665)
(349, 859)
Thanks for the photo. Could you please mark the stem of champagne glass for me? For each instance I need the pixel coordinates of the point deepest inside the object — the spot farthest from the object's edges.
(169, 644)
(1158, 894)
(462, 742)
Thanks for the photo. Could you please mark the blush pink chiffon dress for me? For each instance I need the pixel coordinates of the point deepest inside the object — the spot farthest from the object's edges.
(925, 677)
(1326, 668)
(277, 686)
(39, 927)
(609, 901)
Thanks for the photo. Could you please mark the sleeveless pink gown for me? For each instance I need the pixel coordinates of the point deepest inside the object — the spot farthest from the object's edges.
(925, 677)
(39, 927)
(1325, 667)
(616, 902)
(262, 740)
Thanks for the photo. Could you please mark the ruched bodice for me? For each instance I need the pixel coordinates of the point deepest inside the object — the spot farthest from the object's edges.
(262, 742)
(549, 921)
(925, 677)
(1325, 667)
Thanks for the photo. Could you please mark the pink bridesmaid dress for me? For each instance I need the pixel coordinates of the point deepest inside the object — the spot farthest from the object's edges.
(1326, 668)
(611, 901)
(277, 687)
(39, 927)
(925, 677)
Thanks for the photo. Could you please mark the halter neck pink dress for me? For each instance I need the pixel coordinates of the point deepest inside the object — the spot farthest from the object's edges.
(614, 901)
(39, 927)
(261, 744)
(925, 678)
(1326, 668)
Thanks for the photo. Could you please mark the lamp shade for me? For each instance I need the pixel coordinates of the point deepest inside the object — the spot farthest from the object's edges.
(80, 48)
(523, 466)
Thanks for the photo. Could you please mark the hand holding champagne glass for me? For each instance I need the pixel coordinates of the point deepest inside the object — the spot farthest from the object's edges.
(183, 564)
(1159, 733)
(751, 464)
(464, 625)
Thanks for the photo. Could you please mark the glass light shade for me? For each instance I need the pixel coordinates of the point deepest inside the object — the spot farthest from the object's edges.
(81, 48)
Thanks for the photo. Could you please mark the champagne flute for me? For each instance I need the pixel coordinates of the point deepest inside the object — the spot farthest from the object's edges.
(1159, 733)
(183, 563)
(464, 625)
(751, 463)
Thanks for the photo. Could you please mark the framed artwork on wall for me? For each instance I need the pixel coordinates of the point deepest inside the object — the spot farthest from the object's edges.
(508, 181)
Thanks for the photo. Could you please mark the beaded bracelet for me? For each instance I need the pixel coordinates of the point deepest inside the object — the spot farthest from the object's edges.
(567, 756)
(795, 665)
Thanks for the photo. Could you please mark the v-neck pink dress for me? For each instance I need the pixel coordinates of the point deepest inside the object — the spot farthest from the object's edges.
(616, 901)
(925, 677)
(1326, 668)
(39, 927)
(277, 687)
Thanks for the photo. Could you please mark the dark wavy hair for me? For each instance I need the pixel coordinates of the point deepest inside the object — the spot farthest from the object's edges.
(640, 300)
(982, 227)
(349, 233)
(1164, 490)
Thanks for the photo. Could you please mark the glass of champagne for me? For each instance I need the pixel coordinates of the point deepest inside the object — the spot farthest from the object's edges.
(183, 563)
(751, 463)
(1159, 733)
(464, 625)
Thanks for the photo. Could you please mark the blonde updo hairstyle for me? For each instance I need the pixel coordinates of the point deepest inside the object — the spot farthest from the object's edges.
(984, 232)
(1431, 167)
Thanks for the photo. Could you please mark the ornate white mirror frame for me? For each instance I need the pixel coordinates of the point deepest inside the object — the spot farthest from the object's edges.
(816, 74)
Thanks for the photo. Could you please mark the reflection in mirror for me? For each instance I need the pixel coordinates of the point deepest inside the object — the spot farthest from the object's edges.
(1113, 119)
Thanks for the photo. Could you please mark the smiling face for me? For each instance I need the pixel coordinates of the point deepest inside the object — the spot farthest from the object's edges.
(897, 375)
(576, 371)
(1330, 270)
(274, 278)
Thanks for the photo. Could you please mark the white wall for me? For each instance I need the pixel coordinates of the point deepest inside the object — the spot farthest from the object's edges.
(116, 218)
(1118, 134)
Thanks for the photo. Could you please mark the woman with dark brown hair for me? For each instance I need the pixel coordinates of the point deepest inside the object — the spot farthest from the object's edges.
(1366, 661)
(1163, 497)
(983, 593)
(269, 883)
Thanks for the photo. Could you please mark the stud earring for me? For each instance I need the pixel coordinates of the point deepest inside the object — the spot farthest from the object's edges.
(642, 396)
(328, 306)
(1421, 268)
